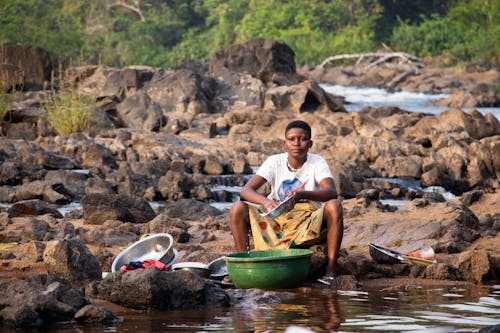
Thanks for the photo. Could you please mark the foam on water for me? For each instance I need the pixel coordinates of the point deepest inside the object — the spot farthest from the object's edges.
(359, 97)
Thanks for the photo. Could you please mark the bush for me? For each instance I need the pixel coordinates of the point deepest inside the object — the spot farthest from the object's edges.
(68, 111)
(5, 99)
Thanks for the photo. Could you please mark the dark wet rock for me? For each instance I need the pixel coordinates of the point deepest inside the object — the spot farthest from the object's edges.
(369, 194)
(94, 237)
(490, 329)
(433, 197)
(10, 173)
(183, 93)
(459, 231)
(38, 300)
(109, 238)
(420, 202)
(470, 197)
(175, 226)
(74, 214)
(33, 207)
(130, 183)
(98, 208)
(105, 258)
(138, 111)
(21, 316)
(26, 230)
(474, 265)
(38, 230)
(303, 97)
(34, 251)
(153, 289)
(72, 260)
(213, 166)
(71, 183)
(345, 187)
(96, 314)
(266, 60)
(442, 271)
(346, 282)
(98, 185)
(113, 83)
(64, 229)
(113, 238)
(98, 156)
(190, 209)
(175, 185)
(51, 161)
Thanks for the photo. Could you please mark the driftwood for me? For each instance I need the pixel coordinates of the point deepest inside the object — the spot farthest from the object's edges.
(380, 57)
(134, 7)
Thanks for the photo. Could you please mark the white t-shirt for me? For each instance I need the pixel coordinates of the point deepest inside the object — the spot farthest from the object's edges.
(275, 171)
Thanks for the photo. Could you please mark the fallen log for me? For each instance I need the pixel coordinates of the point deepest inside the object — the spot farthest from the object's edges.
(380, 57)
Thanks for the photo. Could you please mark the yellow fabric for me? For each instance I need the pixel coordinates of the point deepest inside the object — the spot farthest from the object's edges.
(301, 224)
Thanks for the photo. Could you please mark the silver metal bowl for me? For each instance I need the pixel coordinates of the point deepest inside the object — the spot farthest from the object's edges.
(384, 255)
(197, 268)
(218, 268)
(154, 247)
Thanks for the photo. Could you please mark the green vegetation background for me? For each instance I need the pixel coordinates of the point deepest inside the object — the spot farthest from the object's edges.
(166, 32)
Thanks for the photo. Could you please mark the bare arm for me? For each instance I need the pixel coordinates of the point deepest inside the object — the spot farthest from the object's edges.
(250, 193)
(326, 192)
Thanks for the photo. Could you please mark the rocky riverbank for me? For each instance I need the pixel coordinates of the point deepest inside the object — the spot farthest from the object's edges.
(171, 135)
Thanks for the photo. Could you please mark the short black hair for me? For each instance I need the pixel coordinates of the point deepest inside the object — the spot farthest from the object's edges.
(299, 124)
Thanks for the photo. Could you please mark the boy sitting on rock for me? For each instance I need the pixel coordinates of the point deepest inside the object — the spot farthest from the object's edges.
(307, 178)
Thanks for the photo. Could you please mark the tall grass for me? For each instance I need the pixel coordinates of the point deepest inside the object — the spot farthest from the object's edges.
(68, 111)
(5, 99)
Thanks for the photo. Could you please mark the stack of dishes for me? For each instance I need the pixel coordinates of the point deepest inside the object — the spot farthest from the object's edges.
(153, 247)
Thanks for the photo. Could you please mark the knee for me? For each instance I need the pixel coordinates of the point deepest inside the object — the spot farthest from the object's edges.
(238, 210)
(333, 208)
(239, 206)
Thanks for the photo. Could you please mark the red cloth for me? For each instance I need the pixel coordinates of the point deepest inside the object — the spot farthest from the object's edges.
(146, 263)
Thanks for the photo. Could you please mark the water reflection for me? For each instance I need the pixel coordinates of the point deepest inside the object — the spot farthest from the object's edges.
(335, 317)
(405, 307)
(316, 311)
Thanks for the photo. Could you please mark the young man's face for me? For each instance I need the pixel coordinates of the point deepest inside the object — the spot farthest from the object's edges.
(297, 142)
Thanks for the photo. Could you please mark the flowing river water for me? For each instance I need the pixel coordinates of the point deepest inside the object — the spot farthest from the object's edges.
(407, 306)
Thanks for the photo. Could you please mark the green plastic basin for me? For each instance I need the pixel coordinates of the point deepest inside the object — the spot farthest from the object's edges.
(269, 269)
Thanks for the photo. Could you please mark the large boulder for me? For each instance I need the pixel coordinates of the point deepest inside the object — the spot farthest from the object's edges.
(306, 96)
(139, 112)
(72, 260)
(37, 301)
(267, 60)
(33, 207)
(24, 66)
(100, 207)
(153, 289)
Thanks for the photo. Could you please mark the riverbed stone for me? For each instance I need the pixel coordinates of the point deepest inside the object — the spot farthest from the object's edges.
(38, 300)
(98, 208)
(96, 314)
(33, 207)
(153, 289)
(474, 265)
(72, 260)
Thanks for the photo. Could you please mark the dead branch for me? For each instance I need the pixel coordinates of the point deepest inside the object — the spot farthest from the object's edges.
(135, 7)
(380, 56)
(402, 76)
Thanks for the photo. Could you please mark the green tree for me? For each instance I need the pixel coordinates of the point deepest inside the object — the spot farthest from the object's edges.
(469, 31)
